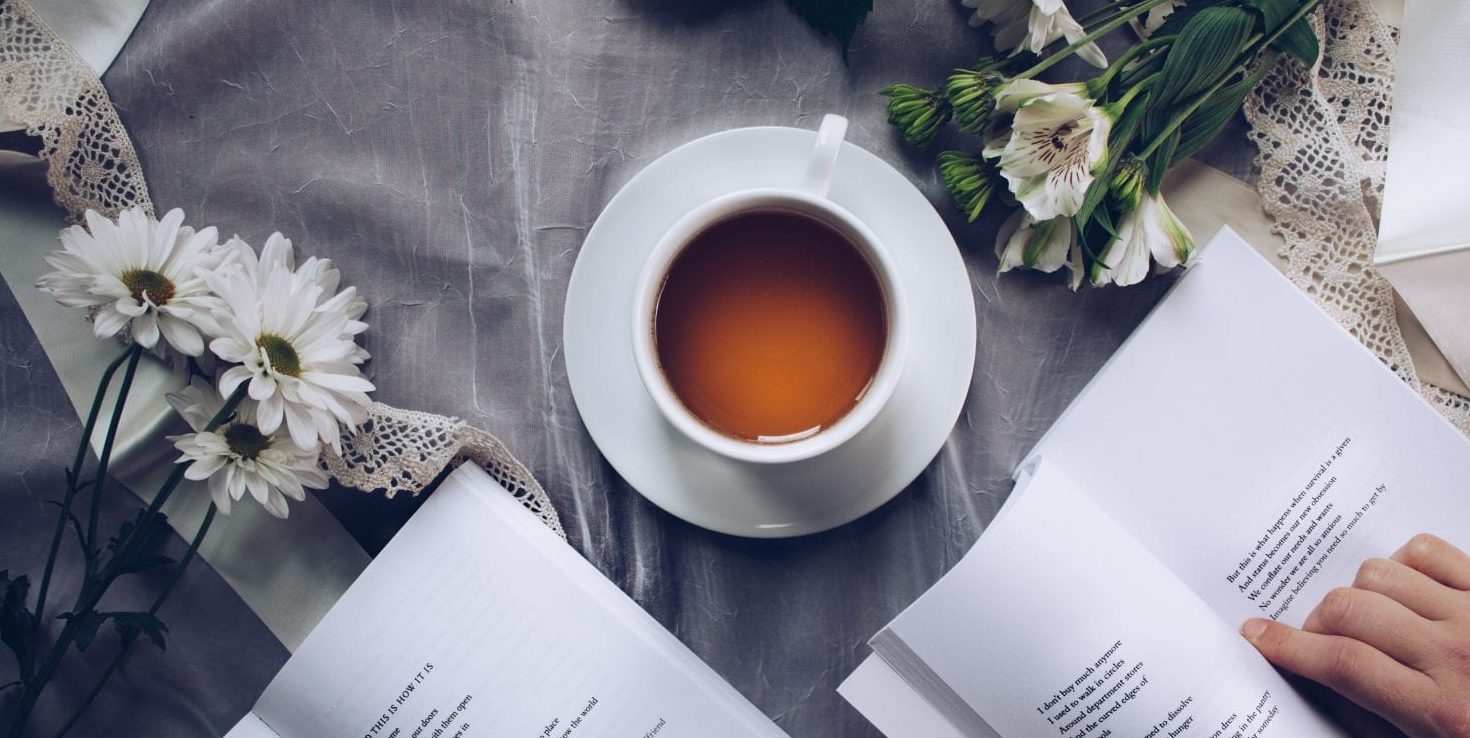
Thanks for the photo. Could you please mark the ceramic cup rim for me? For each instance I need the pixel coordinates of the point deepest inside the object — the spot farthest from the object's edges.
(769, 199)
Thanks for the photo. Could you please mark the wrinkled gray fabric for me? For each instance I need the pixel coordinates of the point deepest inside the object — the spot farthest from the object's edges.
(450, 157)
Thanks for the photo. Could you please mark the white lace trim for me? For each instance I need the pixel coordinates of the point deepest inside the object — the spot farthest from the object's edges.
(404, 450)
(46, 87)
(1322, 135)
(91, 164)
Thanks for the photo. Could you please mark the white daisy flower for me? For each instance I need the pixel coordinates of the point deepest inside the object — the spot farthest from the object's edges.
(237, 457)
(1045, 246)
(1152, 230)
(293, 342)
(1057, 138)
(141, 274)
(278, 251)
(1033, 25)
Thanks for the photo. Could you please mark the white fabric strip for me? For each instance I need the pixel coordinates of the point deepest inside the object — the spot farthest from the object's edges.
(1424, 238)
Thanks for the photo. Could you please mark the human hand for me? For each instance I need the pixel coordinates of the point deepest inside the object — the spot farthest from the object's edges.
(1397, 642)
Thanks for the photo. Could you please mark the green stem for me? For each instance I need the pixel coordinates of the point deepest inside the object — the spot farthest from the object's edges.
(74, 480)
(128, 547)
(96, 587)
(1103, 14)
(1143, 85)
(1097, 33)
(1100, 84)
(127, 643)
(100, 483)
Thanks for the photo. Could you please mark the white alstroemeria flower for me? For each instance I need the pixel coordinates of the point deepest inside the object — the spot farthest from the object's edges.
(1152, 230)
(237, 457)
(1033, 25)
(139, 273)
(1155, 17)
(1045, 246)
(1057, 138)
(294, 342)
(1168, 240)
(1018, 92)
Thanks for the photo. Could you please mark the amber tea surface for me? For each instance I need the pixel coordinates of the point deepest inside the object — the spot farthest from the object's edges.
(770, 326)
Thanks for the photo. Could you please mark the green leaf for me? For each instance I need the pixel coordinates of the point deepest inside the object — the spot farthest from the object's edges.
(1206, 122)
(86, 624)
(836, 18)
(130, 624)
(17, 622)
(146, 536)
(1175, 21)
(1094, 238)
(1273, 12)
(1300, 41)
(1205, 51)
(1158, 162)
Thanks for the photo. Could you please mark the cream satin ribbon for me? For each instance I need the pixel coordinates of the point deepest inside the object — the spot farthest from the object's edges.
(289, 572)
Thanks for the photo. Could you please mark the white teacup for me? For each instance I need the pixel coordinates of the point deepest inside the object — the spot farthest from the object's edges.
(810, 200)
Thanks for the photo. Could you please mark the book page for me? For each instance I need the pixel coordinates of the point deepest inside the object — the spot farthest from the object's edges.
(476, 621)
(1058, 623)
(1256, 448)
(877, 691)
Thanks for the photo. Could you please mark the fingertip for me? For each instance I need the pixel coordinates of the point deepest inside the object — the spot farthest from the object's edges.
(1254, 628)
(1418, 547)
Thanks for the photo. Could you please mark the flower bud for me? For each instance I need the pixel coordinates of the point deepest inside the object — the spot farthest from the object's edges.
(1126, 188)
(970, 179)
(918, 112)
(972, 95)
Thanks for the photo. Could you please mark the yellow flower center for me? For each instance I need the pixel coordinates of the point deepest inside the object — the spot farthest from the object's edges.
(158, 288)
(282, 355)
(245, 441)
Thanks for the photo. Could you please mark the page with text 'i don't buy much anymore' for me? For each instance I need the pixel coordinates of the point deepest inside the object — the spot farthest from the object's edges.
(476, 622)
(1058, 623)
(1255, 447)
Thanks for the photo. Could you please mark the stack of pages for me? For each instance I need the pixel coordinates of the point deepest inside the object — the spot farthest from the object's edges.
(477, 621)
(1240, 456)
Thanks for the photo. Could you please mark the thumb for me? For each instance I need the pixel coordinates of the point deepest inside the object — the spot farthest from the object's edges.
(1349, 667)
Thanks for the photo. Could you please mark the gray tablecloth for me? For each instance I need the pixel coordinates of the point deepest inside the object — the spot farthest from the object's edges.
(450, 157)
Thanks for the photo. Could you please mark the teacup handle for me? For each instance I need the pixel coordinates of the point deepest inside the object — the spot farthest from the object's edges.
(818, 177)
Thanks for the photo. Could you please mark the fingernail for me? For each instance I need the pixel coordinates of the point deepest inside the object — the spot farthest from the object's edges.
(1253, 628)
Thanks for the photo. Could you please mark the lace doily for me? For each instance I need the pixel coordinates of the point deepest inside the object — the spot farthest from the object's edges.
(1322, 135)
(91, 164)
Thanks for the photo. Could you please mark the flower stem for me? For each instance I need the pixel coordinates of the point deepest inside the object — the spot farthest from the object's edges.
(1097, 33)
(74, 480)
(105, 458)
(1104, 14)
(95, 587)
(129, 545)
(127, 643)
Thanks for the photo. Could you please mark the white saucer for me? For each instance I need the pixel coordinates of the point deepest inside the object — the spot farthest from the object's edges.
(715, 492)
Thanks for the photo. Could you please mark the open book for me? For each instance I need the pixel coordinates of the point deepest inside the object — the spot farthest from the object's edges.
(477, 621)
(1239, 456)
